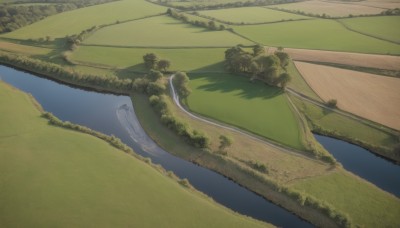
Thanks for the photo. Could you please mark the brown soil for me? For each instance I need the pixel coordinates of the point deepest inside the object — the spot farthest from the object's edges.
(373, 97)
(354, 59)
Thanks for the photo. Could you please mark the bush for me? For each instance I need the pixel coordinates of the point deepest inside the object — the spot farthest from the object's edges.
(155, 88)
(331, 103)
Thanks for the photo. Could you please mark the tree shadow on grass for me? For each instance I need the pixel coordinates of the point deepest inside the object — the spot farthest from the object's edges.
(241, 85)
(131, 72)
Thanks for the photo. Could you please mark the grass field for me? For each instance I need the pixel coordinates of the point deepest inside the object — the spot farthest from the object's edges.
(23, 49)
(367, 95)
(345, 126)
(56, 177)
(384, 27)
(251, 15)
(183, 59)
(255, 107)
(73, 22)
(367, 205)
(334, 9)
(163, 31)
(316, 34)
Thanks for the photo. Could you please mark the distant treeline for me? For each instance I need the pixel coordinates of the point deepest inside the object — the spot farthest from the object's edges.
(223, 5)
(14, 16)
(182, 17)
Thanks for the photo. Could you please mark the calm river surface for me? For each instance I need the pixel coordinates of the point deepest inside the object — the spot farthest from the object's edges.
(111, 114)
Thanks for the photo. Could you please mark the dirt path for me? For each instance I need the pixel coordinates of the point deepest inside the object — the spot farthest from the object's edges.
(354, 59)
(372, 97)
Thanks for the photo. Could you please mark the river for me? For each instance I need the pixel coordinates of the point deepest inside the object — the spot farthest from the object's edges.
(112, 114)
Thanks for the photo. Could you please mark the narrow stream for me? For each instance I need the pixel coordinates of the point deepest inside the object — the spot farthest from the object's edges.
(111, 114)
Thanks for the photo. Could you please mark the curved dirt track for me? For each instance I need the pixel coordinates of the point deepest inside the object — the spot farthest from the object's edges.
(370, 96)
(387, 62)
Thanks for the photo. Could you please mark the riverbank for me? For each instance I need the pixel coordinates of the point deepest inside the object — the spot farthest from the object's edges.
(79, 174)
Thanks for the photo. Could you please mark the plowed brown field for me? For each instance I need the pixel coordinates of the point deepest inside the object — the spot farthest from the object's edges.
(354, 59)
(373, 97)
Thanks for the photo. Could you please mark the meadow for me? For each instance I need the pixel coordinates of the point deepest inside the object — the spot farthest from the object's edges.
(251, 15)
(316, 34)
(255, 107)
(368, 207)
(162, 31)
(57, 177)
(75, 21)
(333, 9)
(382, 27)
(184, 59)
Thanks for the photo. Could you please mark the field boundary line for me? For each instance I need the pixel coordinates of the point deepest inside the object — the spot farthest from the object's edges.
(247, 23)
(160, 47)
(363, 33)
(257, 138)
(370, 123)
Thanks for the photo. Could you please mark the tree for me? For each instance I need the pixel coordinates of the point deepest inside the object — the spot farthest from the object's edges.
(163, 64)
(155, 75)
(181, 81)
(283, 57)
(155, 88)
(224, 142)
(212, 25)
(258, 50)
(284, 79)
(150, 60)
(332, 103)
(254, 70)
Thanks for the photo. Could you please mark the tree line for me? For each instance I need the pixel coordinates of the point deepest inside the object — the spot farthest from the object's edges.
(211, 25)
(221, 5)
(270, 69)
(153, 62)
(14, 16)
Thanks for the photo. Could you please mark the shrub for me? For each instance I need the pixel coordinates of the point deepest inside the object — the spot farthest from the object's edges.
(332, 103)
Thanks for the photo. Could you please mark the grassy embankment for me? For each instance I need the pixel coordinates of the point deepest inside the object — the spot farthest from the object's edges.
(54, 176)
(317, 34)
(251, 15)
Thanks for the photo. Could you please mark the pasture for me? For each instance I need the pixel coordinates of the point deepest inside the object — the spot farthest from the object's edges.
(75, 21)
(333, 9)
(370, 96)
(316, 34)
(163, 31)
(183, 59)
(57, 177)
(251, 15)
(383, 27)
(255, 107)
(369, 207)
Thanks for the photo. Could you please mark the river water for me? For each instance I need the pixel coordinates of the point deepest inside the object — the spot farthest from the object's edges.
(112, 114)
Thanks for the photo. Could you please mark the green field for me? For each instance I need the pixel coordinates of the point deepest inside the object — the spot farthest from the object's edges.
(53, 177)
(383, 27)
(163, 31)
(183, 59)
(316, 34)
(251, 15)
(345, 126)
(252, 106)
(73, 22)
(367, 205)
